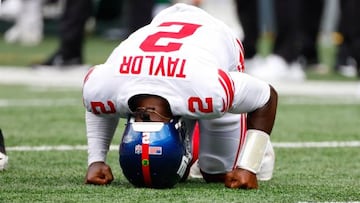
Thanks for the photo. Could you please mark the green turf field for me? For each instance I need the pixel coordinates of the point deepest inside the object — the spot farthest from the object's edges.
(54, 116)
(45, 135)
(95, 51)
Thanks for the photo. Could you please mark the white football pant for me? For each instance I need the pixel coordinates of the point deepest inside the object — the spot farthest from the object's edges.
(266, 169)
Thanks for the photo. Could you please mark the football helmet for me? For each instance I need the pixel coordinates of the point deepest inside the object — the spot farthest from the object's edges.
(154, 154)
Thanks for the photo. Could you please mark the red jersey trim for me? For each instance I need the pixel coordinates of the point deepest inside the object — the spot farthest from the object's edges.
(228, 86)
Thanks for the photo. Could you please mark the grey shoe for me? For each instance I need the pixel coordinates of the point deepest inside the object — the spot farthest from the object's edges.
(3, 158)
(2, 143)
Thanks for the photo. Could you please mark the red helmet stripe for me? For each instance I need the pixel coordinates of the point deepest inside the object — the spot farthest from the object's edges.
(145, 164)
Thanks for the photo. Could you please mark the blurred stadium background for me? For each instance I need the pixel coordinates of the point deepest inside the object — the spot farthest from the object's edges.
(110, 18)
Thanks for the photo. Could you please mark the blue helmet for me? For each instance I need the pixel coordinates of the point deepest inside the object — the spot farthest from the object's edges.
(154, 154)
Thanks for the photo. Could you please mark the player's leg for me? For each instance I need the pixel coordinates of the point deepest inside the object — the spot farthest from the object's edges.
(220, 141)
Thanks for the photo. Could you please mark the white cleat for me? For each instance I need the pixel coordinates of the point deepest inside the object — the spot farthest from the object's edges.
(296, 72)
(275, 69)
(252, 65)
(10, 9)
(195, 170)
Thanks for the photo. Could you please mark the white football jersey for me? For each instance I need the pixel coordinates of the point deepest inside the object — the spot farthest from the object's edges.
(185, 56)
(192, 60)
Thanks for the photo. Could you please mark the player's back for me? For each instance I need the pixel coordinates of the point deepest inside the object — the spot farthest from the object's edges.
(184, 31)
(178, 57)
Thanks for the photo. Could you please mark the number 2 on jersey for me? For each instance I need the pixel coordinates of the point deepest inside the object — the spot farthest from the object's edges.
(187, 29)
(149, 44)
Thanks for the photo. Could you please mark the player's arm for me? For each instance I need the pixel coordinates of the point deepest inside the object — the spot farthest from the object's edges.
(256, 98)
(260, 101)
(263, 118)
(100, 131)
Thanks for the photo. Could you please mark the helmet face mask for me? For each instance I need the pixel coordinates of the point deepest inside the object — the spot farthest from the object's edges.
(154, 154)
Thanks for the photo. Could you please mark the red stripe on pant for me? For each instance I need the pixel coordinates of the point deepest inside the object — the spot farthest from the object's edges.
(195, 143)
(243, 128)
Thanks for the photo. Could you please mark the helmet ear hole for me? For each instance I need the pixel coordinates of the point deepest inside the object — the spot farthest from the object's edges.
(153, 154)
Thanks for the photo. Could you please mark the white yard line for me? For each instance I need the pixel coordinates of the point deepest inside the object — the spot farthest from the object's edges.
(39, 102)
(329, 144)
(42, 77)
(319, 88)
(44, 102)
(315, 100)
(76, 102)
(340, 92)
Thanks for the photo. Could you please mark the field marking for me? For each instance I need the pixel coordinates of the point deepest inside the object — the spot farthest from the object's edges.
(326, 144)
(329, 144)
(319, 101)
(39, 102)
(73, 102)
(74, 78)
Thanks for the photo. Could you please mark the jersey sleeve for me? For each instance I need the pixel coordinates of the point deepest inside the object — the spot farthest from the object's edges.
(250, 93)
(99, 132)
(99, 94)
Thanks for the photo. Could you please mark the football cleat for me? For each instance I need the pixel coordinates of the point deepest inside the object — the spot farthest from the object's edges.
(2, 143)
(3, 157)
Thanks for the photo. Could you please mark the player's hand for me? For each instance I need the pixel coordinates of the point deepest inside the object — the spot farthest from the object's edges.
(99, 173)
(241, 178)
